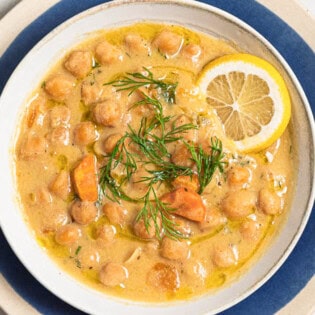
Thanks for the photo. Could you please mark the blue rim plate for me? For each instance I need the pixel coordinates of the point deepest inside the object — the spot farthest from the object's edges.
(298, 268)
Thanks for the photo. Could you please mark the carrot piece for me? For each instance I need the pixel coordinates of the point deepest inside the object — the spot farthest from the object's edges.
(85, 179)
(187, 203)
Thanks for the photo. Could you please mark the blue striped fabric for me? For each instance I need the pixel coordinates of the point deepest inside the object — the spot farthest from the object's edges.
(299, 267)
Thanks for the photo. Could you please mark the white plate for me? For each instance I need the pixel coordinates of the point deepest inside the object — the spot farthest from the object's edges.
(29, 73)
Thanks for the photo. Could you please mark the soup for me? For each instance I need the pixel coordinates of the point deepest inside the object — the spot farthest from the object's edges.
(127, 177)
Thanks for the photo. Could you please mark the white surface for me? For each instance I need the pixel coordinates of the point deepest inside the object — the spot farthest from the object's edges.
(42, 3)
(308, 5)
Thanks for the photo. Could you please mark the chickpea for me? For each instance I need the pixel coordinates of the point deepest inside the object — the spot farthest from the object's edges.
(53, 218)
(43, 196)
(68, 234)
(174, 250)
(182, 226)
(192, 52)
(269, 202)
(33, 146)
(59, 116)
(146, 233)
(84, 212)
(250, 230)
(60, 136)
(110, 142)
(136, 44)
(36, 112)
(79, 63)
(91, 94)
(214, 218)
(107, 113)
(225, 256)
(106, 233)
(115, 213)
(190, 182)
(182, 156)
(196, 271)
(168, 43)
(59, 87)
(238, 176)
(113, 274)
(239, 204)
(164, 277)
(61, 185)
(108, 54)
(189, 135)
(139, 187)
(89, 257)
(85, 133)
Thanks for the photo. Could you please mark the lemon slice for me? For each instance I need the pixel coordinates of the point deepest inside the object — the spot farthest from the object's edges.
(250, 98)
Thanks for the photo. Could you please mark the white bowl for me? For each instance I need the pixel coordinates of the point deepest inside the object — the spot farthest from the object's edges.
(28, 75)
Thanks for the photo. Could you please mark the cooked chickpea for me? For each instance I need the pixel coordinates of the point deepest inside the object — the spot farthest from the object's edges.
(174, 249)
(60, 136)
(79, 63)
(182, 226)
(59, 116)
(59, 87)
(89, 257)
(250, 230)
(148, 232)
(164, 277)
(53, 218)
(269, 202)
(36, 112)
(43, 196)
(168, 43)
(192, 52)
(196, 270)
(225, 256)
(239, 204)
(115, 213)
(107, 113)
(214, 218)
(108, 54)
(106, 233)
(110, 142)
(91, 93)
(136, 44)
(113, 274)
(182, 156)
(238, 176)
(85, 133)
(83, 212)
(189, 135)
(139, 187)
(33, 146)
(61, 185)
(68, 234)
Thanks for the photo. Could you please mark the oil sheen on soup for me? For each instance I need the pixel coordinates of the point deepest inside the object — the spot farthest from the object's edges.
(127, 178)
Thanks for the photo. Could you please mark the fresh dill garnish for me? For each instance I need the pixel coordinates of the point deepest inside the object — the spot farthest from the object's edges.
(150, 140)
(207, 163)
(133, 81)
(78, 250)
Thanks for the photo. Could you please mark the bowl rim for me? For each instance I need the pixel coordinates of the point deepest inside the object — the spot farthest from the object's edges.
(223, 14)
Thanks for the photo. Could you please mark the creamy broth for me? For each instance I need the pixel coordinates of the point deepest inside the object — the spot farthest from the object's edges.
(77, 115)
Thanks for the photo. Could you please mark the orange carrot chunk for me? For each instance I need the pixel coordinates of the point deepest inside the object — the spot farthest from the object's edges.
(85, 179)
(187, 203)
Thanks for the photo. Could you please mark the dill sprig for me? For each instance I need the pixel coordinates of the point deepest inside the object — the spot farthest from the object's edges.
(133, 81)
(151, 141)
(207, 164)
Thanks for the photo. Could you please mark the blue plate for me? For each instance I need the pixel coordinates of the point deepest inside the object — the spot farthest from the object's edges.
(298, 268)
